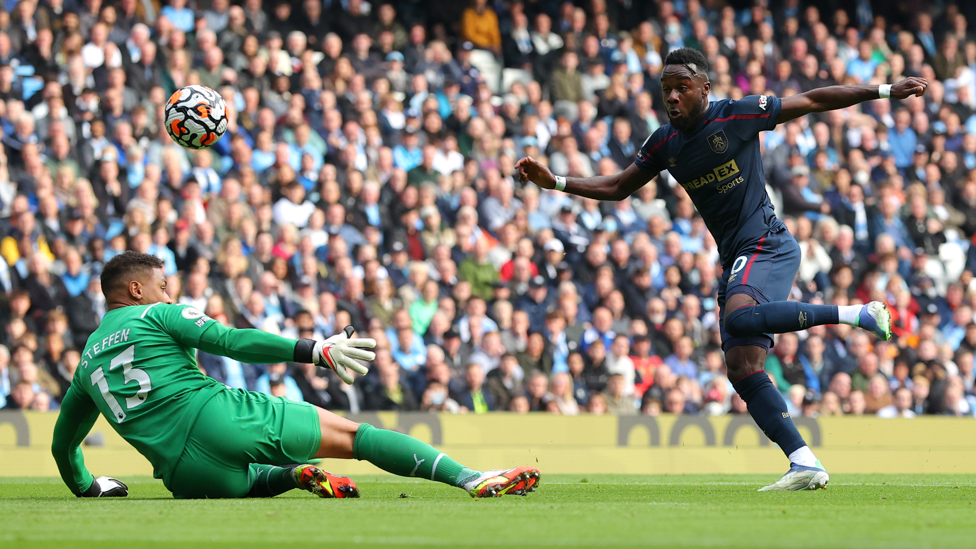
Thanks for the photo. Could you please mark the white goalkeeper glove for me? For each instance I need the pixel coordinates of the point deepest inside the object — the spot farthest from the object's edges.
(106, 487)
(339, 353)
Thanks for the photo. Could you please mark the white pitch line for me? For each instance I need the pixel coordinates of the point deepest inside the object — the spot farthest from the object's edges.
(968, 484)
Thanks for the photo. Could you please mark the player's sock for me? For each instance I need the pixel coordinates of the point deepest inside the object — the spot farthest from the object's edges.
(778, 317)
(847, 314)
(408, 457)
(803, 456)
(767, 407)
(267, 481)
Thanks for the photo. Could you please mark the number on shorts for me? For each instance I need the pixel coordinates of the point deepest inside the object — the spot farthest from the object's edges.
(739, 264)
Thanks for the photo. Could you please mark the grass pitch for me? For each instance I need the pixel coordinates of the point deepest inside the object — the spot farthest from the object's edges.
(861, 511)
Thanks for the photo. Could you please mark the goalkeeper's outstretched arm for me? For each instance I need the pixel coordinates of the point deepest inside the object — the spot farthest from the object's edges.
(257, 347)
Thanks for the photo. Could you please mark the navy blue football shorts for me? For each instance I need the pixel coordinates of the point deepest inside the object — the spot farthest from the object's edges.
(764, 271)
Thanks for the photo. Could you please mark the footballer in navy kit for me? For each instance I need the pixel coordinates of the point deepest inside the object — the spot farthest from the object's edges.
(712, 150)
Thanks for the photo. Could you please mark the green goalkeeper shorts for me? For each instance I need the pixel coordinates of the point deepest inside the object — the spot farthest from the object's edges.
(237, 429)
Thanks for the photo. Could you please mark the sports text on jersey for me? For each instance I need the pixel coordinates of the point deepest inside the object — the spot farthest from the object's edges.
(121, 336)
(718, 174)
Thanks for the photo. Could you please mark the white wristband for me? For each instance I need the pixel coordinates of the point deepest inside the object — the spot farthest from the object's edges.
(560, 183)
(884, 91)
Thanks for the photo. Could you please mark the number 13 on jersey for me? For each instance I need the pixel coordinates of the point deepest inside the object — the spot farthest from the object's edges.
(129, 374)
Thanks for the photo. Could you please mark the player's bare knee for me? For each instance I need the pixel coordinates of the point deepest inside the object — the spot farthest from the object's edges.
(743, 361)
(338, 435)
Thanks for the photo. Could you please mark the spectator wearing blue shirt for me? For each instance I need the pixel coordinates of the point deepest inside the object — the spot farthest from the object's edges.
(602, 329)
(180, 15)
(862, 67)
(888, 222)
(954, 332)
(408, 154)
(304, 141)
(406, 352)
(902, 139)
(160, 249)
(263, 156)
(277, 376)
(75, 276)
(680, 361)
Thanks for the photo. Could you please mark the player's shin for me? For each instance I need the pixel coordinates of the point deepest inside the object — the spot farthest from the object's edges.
(408, 457)
(768, 409)
(268, 481)
(778, 317)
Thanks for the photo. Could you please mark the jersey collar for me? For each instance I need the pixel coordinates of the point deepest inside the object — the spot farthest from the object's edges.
(705, 119)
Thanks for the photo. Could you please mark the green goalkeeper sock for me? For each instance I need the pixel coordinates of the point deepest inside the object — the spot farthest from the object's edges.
(267, 481)
(408, 457)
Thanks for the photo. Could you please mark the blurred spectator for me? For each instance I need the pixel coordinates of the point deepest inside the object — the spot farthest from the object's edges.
(389, 393)
(505, 382)
(901, 407)
(473, 398)
(276, 381)
(618, 403)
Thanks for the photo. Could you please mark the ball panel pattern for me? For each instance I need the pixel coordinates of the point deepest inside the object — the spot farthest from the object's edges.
(196, 117)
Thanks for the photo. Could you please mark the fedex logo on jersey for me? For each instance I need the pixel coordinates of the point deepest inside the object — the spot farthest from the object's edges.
(718, 174)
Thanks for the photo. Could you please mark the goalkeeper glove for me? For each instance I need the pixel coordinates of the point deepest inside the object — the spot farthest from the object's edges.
(339, 351)
(106, 487)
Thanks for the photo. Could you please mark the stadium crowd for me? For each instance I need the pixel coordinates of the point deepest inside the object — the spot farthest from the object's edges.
(366, 178)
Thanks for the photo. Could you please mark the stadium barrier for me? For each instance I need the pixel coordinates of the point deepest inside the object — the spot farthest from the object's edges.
(581, 444)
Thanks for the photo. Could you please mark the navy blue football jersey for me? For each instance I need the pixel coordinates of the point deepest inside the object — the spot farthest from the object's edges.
(719, 164)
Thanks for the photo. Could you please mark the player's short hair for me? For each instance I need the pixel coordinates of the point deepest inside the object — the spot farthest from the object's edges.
(122, 267)
(691, 59)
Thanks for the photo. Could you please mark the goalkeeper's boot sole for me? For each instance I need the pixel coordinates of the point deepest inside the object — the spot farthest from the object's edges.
(875, 318)
(325, 484)
(800, 477)
(499, 482)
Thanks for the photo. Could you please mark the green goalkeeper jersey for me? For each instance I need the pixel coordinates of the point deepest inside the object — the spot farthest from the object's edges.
(139, 370)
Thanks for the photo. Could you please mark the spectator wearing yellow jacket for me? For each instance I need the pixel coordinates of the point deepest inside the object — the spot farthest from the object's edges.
(479, 25)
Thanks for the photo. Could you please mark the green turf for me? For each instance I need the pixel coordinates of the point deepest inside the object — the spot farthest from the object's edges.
(860, 511)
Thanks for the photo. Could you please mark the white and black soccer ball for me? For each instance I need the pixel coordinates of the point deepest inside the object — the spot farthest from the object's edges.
(196, 117)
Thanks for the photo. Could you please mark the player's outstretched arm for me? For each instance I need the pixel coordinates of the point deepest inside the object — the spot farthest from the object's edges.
(78, 414)
(193, 329)
(611, 187)
(839, 97)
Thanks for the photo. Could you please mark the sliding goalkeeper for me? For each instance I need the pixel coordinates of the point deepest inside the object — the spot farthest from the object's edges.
(206, 440)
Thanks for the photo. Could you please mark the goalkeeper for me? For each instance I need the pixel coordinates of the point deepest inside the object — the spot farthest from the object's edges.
(206, 440)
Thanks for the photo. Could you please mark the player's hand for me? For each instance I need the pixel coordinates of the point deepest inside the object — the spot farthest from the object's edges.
(909, 87)
(339, 353)
(529, 169)
(106, 487)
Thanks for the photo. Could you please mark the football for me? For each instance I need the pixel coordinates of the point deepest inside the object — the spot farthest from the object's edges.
(196, 117)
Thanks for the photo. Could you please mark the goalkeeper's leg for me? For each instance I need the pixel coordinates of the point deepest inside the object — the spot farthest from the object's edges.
(406, 456)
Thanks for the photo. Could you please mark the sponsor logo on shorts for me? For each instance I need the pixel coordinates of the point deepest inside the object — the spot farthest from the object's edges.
(803, 319)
